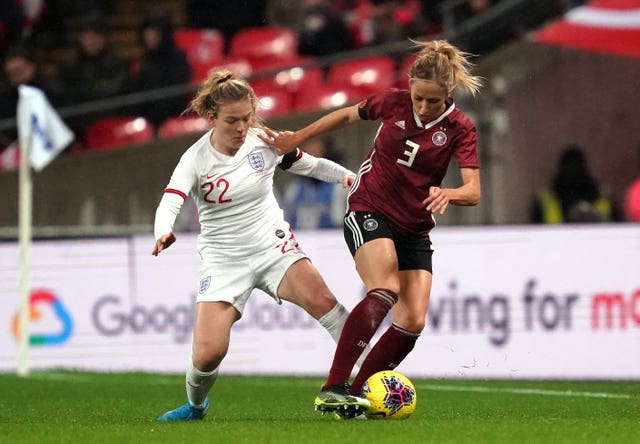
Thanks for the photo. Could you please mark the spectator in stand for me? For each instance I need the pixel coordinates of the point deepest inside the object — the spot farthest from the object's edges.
(322, 30)
(396, 20)
(374, 22)
(310, 203)
(20, 68)
(94, 72)
(283, 13)
(161, 64)
(574, 195)
(48, 19)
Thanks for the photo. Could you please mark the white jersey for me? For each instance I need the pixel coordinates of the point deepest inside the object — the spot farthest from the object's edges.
(238, 212)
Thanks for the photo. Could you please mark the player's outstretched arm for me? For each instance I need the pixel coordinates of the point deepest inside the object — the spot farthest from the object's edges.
(163, 243)
(286, 141)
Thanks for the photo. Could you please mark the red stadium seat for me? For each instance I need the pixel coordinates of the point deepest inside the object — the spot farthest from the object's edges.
(204, 49)
(274, 101)
(181, 125)
(328, 96)
(10, 157)
(372, 73)
(278, 63)
(239, 65)
(265, 43)
(297, 78)
(115, 132)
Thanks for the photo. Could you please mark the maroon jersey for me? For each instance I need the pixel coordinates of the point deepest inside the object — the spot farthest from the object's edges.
(407, 158)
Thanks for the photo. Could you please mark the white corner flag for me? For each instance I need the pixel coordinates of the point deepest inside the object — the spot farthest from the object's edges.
(41, 136)
(40, 127)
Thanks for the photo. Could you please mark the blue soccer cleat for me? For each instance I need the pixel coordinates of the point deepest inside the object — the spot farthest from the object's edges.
(185, 412)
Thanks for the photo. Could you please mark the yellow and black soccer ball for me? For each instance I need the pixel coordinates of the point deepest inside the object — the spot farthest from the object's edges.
(391, 394)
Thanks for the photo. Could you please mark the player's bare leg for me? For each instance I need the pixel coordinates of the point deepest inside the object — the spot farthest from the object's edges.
(210, 344)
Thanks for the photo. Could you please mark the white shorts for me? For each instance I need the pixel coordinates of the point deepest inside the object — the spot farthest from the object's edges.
(234, 280)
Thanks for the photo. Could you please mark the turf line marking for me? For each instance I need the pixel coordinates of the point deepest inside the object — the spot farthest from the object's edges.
(522, 391)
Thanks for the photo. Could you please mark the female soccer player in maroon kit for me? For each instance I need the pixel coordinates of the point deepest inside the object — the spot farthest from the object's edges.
(391, 207)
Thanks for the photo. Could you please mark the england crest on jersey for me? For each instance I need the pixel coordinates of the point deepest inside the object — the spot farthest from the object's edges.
(256, 160)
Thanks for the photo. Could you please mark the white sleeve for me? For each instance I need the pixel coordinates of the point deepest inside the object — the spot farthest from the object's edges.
(175, 193)
(166, 214)
(320, 168)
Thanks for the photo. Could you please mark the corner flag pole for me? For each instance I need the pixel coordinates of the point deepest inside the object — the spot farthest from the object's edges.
(42, 135)
(25, 203)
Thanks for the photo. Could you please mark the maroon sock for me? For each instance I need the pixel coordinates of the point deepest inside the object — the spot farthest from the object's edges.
(358, 330)
(387, 354)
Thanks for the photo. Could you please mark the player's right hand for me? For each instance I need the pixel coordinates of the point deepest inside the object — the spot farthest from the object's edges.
(438, 200)
(283, 141)
(163, 243)
(347, 181)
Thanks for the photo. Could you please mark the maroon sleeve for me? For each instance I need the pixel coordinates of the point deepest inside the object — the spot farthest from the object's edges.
(371, 107)
(465, 152)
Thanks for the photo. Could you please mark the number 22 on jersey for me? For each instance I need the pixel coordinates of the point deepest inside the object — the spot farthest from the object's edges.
(222, 185)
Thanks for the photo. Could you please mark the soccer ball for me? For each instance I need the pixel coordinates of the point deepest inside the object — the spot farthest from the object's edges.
(391, 394)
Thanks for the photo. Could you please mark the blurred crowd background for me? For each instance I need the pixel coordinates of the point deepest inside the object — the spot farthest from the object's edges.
(556, 133)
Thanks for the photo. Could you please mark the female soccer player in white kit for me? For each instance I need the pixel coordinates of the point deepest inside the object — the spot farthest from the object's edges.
(244, 243)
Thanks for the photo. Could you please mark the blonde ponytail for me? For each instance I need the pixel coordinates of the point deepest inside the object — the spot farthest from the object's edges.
(222, 86)
(441, 62)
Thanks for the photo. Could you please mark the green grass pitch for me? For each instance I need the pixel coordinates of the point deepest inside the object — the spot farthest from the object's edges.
(82, 407)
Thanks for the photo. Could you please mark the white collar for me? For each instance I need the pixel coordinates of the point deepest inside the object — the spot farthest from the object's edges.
(428, 125)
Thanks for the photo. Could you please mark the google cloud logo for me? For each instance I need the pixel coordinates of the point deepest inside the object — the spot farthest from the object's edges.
(44, 300)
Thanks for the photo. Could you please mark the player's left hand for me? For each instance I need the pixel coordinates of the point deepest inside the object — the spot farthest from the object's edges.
(283, 141)
(437, 201)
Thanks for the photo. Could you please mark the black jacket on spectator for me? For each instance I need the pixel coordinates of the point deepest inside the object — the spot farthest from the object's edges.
(323, 32)
(165, 65)
(92, 76)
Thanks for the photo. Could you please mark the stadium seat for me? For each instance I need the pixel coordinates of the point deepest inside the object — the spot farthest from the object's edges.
(115, 132)
(265, 43)
(239, 65)
(274, 64)
(328, 96)
(204, 49)
(371, 73)
(297, 77)
(274, 101)
(181, 125)
(10, 157)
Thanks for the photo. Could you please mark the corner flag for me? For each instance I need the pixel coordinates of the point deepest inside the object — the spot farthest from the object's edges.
(41, 136)
(40, 127)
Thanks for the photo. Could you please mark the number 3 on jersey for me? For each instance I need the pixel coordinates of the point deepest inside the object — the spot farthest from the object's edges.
(221, 184)
(411, 154)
